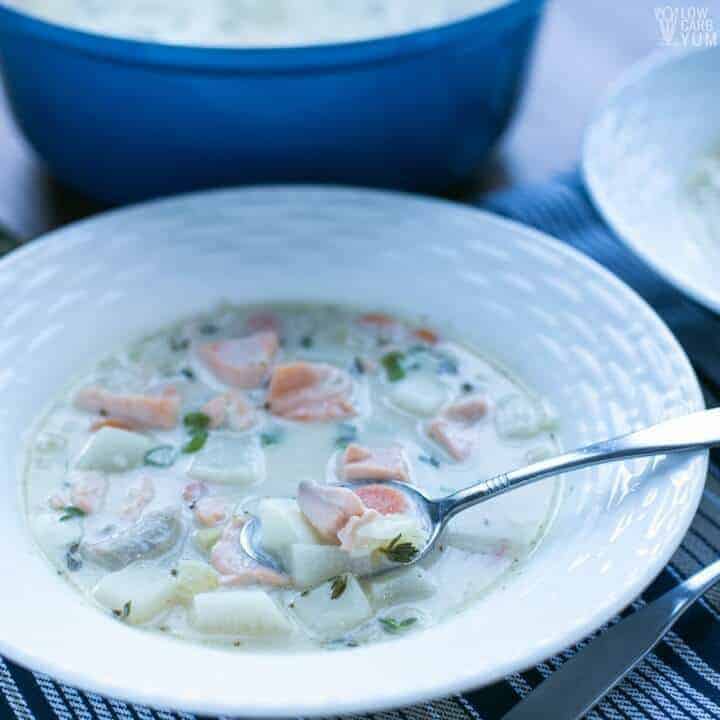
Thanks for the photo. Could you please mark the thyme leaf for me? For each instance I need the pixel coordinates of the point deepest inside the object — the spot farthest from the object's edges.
(393, 626)
(399, 552)
(338, 586)
(161, 456)
(392, 362)
(70, 512)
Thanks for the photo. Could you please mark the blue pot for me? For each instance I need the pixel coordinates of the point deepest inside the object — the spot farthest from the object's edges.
(122, 120)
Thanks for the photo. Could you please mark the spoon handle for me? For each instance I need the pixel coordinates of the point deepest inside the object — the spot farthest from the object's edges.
(698, 431)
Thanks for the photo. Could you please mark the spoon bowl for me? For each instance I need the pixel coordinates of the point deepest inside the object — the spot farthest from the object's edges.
(429, 511)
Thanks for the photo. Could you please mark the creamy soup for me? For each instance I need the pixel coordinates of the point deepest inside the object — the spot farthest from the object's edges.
(141, 477)
(251, 23)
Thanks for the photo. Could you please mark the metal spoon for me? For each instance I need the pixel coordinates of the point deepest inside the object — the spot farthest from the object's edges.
(698, 431)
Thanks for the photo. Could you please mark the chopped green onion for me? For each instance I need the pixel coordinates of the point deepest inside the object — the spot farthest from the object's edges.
(195, 421)
(306, 341)
(196, 442)
(392, 362)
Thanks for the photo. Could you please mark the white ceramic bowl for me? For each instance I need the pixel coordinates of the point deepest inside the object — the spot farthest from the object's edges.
(640, 155)
(567, 327)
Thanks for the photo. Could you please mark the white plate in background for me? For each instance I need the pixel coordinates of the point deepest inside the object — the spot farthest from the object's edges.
(640, 158)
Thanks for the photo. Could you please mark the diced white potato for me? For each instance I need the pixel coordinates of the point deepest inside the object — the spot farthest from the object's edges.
(113, 450)
(331, 617)
(402, 586)
(194, 577)
(56, 537)
(230, 459)
(206, 537)
(380, 531)
(282, 525)
(418, 394)
(148, 592)
(310, 565)
(238, 612)
(521, 417)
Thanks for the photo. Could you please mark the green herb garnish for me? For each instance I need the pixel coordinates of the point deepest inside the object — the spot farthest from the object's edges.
(208, 328)
(196, 442)
(306, 341)
(442, 362)
(391, 625)
(338, 586)
(123, 614)
(358, 366)
(189, 373)
(429, 460)
(467, 387)
(399, 552)
(72, 557)
(161, 456)
(195, 421)
(273, 436)
(178, 344)
(71, 512)
(348, 433)
(392, 362)
(447, 365)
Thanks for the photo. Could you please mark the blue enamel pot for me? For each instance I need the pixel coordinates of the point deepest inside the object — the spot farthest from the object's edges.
(123, 120)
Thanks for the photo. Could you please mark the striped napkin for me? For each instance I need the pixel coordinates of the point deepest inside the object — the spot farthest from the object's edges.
(681, 678)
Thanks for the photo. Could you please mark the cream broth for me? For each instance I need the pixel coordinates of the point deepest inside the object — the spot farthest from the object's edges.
(140, 476)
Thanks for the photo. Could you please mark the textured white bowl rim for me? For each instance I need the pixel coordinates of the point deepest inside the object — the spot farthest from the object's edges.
(387, 697)
(595, 184)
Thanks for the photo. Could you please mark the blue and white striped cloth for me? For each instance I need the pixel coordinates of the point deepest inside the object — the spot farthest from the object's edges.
(680, 679)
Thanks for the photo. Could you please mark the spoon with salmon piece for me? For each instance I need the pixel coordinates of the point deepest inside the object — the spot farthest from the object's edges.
(338, 510)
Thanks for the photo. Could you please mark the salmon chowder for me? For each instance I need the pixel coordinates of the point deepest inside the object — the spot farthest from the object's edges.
(141, 477)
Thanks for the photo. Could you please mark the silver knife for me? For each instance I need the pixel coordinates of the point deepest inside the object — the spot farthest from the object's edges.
(581, 682)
